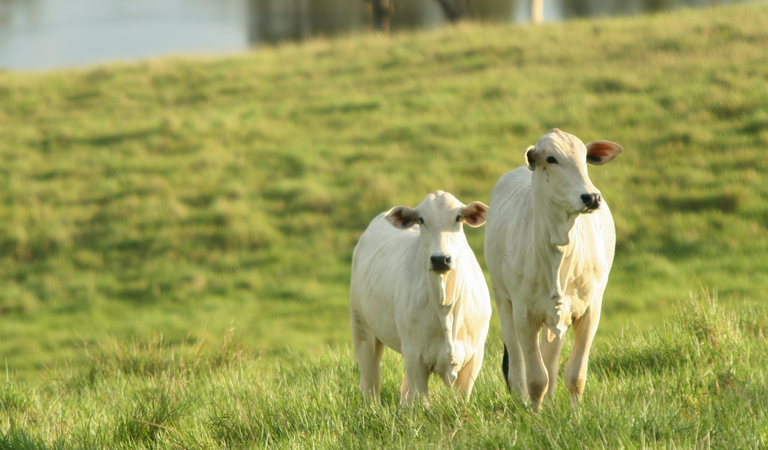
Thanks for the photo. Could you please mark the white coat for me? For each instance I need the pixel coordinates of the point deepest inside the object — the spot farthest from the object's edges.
(417, 288)
(549, 248)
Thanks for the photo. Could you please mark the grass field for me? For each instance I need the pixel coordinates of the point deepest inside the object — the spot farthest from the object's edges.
(180, 198)
(697, 380)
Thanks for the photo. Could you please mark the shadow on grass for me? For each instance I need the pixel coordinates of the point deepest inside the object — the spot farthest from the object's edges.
(16, 439)
(635, 361)
(726, 202)
(61, 140)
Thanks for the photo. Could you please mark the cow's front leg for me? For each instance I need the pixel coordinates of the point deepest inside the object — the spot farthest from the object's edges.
(584, 329)
(550, 352)
(468, 374)
(535, 372)
(416, 381)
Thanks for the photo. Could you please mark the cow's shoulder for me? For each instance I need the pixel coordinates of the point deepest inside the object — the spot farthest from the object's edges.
(381, 243)
(511, 197)
(381, 230)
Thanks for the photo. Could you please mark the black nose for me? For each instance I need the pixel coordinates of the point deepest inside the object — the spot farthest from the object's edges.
(440, 263)
(591, 200)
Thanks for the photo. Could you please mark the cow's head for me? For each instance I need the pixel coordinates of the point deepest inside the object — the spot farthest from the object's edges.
(440, 218)
(559, 163)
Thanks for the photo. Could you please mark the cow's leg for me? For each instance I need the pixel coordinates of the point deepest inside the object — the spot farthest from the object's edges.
(550, 354)
(535, 372)
(468, 374)
(404, 389)
(584, 329)
(368, 350)
(416, 381)
(514, 369)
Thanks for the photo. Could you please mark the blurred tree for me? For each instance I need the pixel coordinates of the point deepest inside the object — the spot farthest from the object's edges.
(455, 10)
(379, 13)
(494, 10)
(276, 20)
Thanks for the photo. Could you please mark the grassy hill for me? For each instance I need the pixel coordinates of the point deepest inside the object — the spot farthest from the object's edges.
(185, 197)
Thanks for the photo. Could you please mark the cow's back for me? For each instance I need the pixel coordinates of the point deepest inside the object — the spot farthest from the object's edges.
(383, 265)
(508, 230)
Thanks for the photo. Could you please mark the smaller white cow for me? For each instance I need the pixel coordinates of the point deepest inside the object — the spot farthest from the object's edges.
(549, 247)
(420, 292)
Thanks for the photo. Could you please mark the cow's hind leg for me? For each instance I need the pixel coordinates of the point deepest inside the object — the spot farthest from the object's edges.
(550, 354)
(368, 350)
(513, 364)
(584, 329)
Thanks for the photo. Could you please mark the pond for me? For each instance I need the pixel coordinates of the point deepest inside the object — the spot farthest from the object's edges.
(45, 34)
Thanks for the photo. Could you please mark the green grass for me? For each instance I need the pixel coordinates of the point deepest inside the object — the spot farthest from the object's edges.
(697, 380)
(185, 196)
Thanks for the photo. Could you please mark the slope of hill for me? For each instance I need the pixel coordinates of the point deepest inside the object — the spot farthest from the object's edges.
(189, 196)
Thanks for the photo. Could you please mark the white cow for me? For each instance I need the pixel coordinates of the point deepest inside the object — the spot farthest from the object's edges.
(549, 247)
(421, 292)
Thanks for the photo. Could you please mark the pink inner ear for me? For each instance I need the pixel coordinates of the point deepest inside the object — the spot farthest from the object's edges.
(601, 149)
(600, 152)
(475, 213)
(399, 218)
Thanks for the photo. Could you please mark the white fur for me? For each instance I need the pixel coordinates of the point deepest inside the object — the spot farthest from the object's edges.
(549, 258)
(437, 321)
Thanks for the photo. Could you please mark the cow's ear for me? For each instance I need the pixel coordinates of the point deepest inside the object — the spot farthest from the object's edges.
(601, 152)
(402, 217)
(474, 214)
(531, 155)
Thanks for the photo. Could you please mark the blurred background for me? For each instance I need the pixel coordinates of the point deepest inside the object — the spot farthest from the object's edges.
(43, 34)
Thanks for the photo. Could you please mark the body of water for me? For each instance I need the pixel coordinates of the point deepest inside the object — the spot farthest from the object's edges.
(44, 34)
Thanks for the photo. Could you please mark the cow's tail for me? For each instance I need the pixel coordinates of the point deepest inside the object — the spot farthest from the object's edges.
(505, 366)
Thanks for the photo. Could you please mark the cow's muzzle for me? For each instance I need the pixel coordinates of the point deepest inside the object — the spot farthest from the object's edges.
(591, 201)
(441, 263)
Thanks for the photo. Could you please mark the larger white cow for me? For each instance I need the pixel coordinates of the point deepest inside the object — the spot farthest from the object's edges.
(549, 247)
(420, 291)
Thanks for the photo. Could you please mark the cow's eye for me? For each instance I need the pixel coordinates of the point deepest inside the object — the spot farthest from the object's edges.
(551, 160)
(458, 218)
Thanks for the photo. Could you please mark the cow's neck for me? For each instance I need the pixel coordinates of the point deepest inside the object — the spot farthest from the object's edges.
(553, 229)
(443, 293)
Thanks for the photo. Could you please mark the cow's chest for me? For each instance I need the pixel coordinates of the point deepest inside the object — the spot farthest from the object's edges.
(421, 330)
(578, 277)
